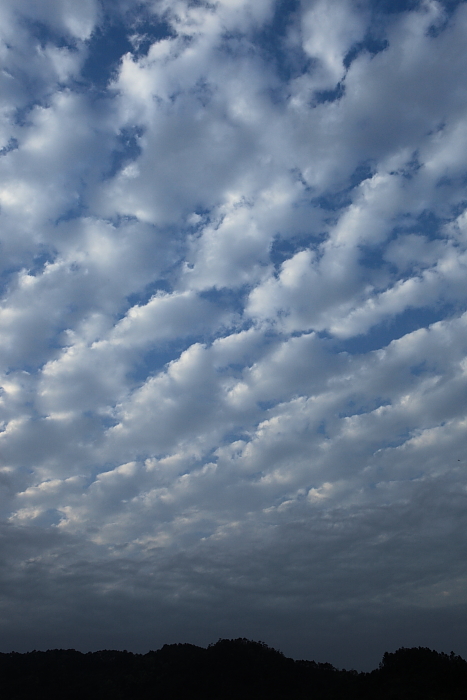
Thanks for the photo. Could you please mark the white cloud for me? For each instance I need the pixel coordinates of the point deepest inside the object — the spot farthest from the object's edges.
(330, 29)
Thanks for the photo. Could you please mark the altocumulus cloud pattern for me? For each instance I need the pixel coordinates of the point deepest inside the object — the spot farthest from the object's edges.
(233, 331)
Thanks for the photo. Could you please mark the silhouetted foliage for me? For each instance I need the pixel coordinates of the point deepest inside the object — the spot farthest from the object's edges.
(423, 673)
(231, 669)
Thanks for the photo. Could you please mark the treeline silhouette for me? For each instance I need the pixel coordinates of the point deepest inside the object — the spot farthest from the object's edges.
(231, 669)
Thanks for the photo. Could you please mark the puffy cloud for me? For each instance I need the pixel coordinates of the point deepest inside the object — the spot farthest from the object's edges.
(34, 63)
(329, 31)
(233, 357)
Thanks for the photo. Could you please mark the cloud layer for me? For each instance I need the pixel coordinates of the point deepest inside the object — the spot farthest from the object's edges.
(233, 325)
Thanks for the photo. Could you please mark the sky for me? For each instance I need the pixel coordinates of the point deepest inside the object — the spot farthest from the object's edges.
(233, 327)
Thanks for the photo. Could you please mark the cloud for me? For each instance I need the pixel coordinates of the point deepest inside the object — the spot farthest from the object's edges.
(329, 31)
(233, 357)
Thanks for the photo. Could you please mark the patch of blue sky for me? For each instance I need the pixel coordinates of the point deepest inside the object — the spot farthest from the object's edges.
(26, 368)
(428, 223)
(393, 328)
(200, 218)
(146, 29)
(372, 257)
(92, 472)
(45, 34)
(288, 62)
(398, 440)
(322, 96)
(322, 429)
(45, 256)
(298, 176)
(8, 276)
(452, 182)
(12, 145)
(106, 47)
(371, 44)
(98, 420)
(452, 196)
(126, 151)
(115, 38)
(141, 298)
(393, 6)
(78, 210)
(120, 219)
(226, 298)
(234, 369)
(333, 200)
(283, 249)
(459, 207)
(21, 114)
(363, 171)
(375, 42)
(353, 407)
(420, 368)
(266, 405)
(449, 7)
(234, 435)
(48, 518)
(154, 360)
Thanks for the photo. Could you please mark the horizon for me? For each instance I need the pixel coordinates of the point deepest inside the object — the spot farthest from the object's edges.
(233, 326)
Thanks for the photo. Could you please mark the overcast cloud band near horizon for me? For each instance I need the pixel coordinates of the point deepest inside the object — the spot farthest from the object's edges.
(233, 328)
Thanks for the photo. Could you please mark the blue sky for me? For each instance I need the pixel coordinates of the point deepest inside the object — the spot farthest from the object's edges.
(233, 325)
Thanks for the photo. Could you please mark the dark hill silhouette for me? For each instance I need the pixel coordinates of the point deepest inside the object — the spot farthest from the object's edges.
(231, 669)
